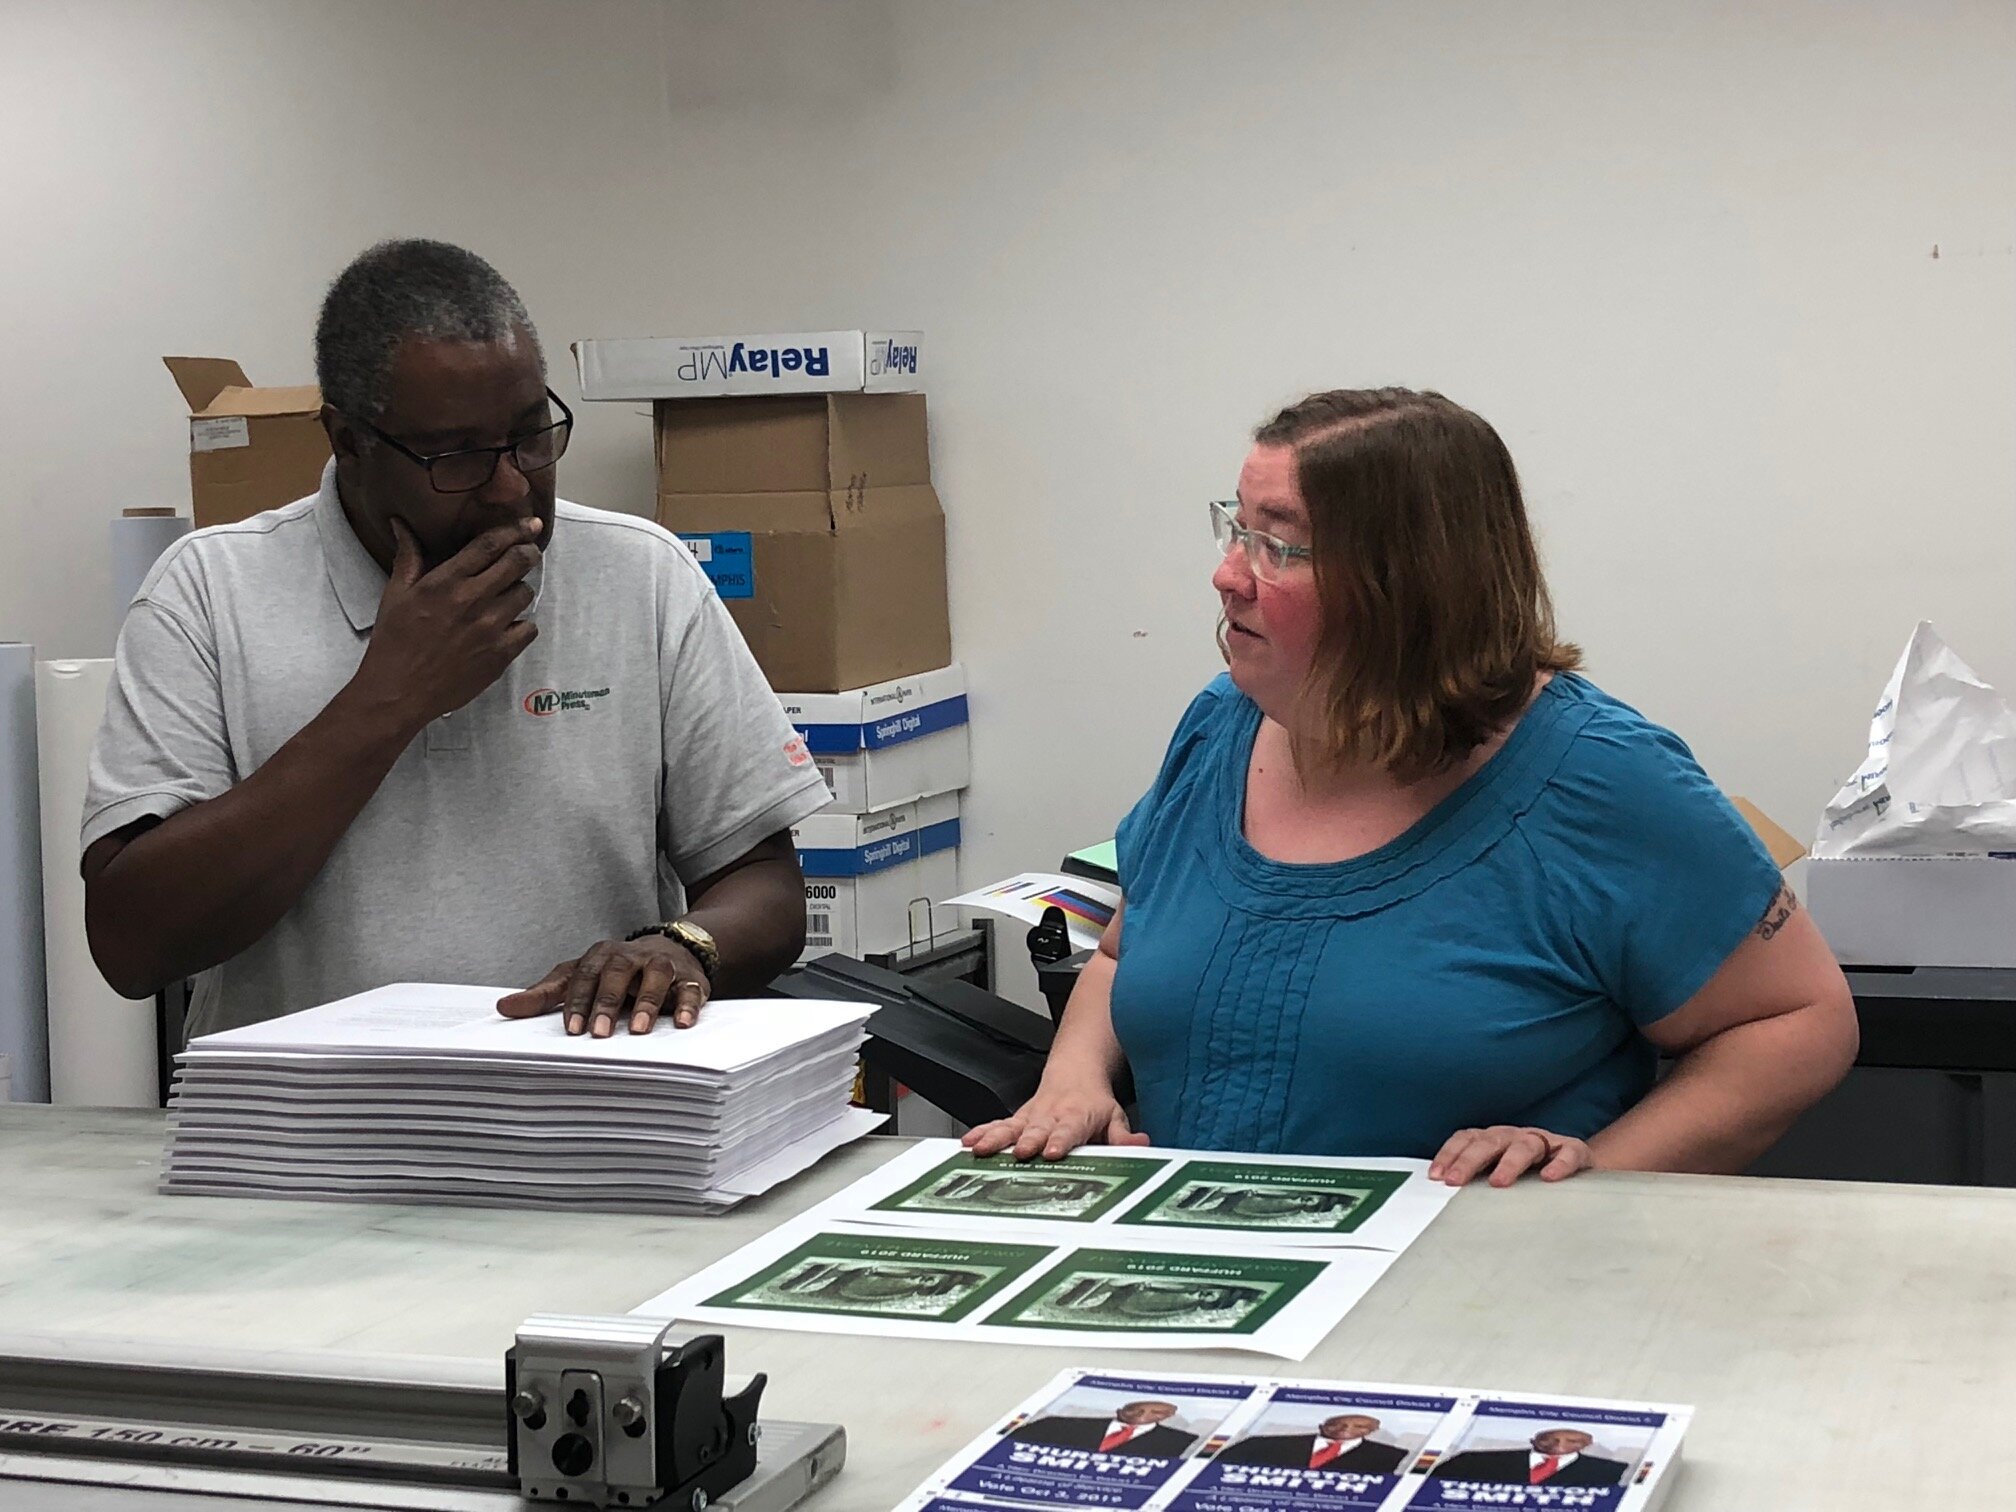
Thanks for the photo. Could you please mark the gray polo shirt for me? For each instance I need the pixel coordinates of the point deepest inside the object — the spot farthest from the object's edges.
(633, 747)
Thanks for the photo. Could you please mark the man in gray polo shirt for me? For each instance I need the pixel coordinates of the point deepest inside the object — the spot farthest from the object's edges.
(435, 724)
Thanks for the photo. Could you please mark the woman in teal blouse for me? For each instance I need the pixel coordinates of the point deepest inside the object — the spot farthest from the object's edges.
(1407, 884)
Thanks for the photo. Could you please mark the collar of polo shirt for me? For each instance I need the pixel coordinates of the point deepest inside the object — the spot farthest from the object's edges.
(359, 582)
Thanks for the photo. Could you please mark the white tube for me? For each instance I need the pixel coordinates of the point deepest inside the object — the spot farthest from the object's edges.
(102, 1048)
(24, 999)
(137, 543)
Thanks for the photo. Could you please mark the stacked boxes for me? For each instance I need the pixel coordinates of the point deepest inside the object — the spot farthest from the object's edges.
(797, 470)
(796, 467)
(896, 756)
(870, 879)
(815, 516)
(889, 744)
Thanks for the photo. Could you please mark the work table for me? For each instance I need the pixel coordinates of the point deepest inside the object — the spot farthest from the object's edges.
(1847, 1345)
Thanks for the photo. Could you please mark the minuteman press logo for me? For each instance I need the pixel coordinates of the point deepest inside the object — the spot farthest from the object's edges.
(546, 701)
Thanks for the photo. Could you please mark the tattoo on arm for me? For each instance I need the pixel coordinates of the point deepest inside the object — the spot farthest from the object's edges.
(1778, 914)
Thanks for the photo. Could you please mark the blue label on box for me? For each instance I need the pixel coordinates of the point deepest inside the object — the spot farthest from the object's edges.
(880, 853)
(728, 557)
(885, 730)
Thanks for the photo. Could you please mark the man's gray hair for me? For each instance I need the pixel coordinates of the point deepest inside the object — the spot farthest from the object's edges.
(407, 288)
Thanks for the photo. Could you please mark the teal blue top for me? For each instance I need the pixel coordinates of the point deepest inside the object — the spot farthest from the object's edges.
(1493, 964)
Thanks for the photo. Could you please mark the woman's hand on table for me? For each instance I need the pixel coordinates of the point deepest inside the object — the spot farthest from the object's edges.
(1053, 1124)
(1506, 1152)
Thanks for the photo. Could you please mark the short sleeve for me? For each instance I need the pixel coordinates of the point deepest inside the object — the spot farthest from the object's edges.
(1180, 764)
(735, 770)
(1659, 878)
(163, 746)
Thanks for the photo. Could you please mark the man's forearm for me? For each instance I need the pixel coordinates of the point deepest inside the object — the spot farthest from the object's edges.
(208, 882)
(1731, 1098)
(756, 914)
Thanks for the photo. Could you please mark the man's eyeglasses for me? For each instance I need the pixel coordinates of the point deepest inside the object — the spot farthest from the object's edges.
(466, 471)
(1269, 556)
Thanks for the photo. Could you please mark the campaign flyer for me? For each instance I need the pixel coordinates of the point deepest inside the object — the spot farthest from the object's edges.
(1317, 1448)
(1102, 1441)
(1528, 1453)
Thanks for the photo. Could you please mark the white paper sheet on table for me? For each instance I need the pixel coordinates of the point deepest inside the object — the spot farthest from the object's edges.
(807, 1152)
(420, 1019)
(602, 1072)
(496, 1194)
(511, 1076)
(576, 1147)
(1156, 1293)
(307, 1099)
(555, 1159)
(542, 1126)
(1216, 1201)
(424, 1093)
(1940, 776)
(491, 1186)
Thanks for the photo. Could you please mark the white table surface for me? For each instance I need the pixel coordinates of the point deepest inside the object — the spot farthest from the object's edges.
(1848, 1346)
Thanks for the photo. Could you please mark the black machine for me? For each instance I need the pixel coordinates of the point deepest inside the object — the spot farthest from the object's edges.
(618, 1412)
(975, 1055)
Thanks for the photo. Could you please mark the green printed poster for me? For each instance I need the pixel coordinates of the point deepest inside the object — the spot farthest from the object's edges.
(1227, 1194)
(1141, 1291)
(1077, 1189)
(885, 1276)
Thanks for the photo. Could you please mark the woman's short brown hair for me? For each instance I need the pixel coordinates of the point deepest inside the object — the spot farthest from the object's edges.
(1436, 618)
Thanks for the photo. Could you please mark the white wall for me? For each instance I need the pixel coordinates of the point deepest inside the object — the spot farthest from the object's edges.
(1681, 254)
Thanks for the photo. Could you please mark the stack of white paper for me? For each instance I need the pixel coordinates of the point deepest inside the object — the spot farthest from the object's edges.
(420, 1093)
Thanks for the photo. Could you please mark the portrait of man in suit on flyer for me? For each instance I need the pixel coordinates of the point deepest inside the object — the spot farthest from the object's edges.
(1346, 1441)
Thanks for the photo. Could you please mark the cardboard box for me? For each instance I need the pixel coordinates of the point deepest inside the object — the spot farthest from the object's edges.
(1904, 910)
(864, 873)
(815, 517)
(893, 743)
(1915, 910)
(1783, 845)
(250, 449)
(708, 367)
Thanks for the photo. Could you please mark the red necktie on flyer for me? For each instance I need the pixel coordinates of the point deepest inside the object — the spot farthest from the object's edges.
(1545, 1468)
(1324, 1455)
(1115, 1439)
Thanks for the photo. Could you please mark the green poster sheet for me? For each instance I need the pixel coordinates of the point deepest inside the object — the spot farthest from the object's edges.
(1076, 1189)
(1143, 1291)
(1105, 857)
(886, 1276)
(1230, 1194)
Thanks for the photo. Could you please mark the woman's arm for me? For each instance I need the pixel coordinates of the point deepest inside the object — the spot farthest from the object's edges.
(1074, 1104)
(1772, 1032)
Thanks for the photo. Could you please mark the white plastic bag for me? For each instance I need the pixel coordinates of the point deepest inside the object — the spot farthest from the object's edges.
(1940, 777)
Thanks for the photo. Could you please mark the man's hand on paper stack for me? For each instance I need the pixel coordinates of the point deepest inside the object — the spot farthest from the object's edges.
(634, 980)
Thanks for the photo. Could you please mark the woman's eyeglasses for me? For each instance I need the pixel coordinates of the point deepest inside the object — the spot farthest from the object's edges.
(1268, 555)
